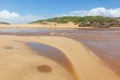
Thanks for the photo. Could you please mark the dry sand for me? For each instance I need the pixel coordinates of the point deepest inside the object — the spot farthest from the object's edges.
(19, 62)
(69, 25)
(50, 25)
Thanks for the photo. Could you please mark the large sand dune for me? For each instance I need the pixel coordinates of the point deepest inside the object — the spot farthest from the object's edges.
(19, 62)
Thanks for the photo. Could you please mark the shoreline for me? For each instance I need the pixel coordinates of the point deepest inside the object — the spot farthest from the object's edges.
(103, 45)
(84, 63)
(63, 26)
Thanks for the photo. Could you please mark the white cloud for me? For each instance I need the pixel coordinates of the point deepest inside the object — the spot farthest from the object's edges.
(101, 11)
(13, 17)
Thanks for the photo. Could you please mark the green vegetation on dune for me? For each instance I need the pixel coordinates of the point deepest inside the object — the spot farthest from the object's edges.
(60, 20)
(93, 21)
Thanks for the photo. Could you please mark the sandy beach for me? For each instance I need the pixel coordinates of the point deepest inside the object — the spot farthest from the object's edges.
(19, 61)
(59, 40)
(52, 26)
(69, 25)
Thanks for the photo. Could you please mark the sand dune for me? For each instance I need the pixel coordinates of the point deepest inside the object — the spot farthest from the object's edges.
(19, 62)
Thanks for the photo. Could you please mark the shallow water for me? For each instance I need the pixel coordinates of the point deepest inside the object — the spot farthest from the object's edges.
(105, 43)
(53, 54)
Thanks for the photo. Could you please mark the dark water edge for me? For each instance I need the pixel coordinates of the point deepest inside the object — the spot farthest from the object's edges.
(105, 43)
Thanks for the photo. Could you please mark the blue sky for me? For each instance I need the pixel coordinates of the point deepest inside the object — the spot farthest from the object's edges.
(50, 8)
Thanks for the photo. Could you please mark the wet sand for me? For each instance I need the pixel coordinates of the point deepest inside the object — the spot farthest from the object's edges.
(19, 62)
(104, 44)
(54, 54)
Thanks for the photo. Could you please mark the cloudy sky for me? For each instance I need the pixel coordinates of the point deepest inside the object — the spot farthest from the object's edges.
(24, 11)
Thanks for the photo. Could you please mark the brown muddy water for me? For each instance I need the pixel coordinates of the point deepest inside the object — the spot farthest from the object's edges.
(53, 54)
(105, 43)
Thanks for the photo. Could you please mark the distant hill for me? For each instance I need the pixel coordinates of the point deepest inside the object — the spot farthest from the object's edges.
(5, 23)
(92, 21)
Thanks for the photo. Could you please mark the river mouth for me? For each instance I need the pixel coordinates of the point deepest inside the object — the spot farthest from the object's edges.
(53, 54)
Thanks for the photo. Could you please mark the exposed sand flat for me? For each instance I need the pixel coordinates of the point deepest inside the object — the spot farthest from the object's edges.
(19, 62)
